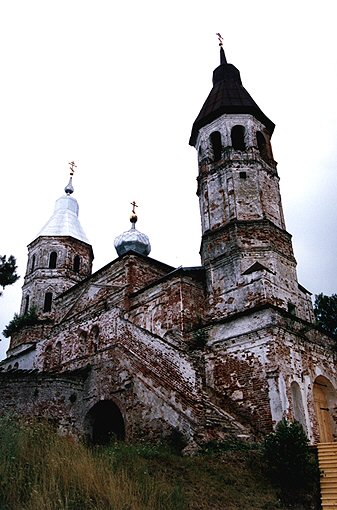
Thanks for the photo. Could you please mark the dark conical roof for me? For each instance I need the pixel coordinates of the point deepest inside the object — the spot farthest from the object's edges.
(227, 96)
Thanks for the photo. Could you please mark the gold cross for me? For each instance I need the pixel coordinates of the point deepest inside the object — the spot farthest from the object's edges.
(72, 166)
(133, 207)
(220, 38)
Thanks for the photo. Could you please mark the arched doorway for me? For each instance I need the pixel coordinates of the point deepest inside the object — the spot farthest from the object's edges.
(325, 401)
(104, 423)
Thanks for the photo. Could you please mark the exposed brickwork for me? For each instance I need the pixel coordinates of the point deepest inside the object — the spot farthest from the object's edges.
(227, 348)
(41, 278)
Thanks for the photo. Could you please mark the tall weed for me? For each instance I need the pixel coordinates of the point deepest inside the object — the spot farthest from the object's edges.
(40, 470)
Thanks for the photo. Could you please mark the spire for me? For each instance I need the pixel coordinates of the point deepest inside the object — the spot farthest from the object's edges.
(69, 189)
(223, 59)
(227, 96)
(132, 240)
(64, 221)
(222, 53)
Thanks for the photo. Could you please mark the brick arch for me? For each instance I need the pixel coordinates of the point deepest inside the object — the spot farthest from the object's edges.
(94, 339)
(104, 423)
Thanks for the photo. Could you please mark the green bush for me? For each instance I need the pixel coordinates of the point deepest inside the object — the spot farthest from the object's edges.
(291, 465)
(20, 321)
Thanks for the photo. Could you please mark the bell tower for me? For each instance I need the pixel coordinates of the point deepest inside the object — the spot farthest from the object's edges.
(58, 258)
(245, 248)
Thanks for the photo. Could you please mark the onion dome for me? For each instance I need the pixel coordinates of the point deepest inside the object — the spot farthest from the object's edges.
(227, 96)
(64, 221)
(132, 240)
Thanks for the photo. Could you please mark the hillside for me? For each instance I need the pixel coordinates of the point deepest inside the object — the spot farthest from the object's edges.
(42, 471)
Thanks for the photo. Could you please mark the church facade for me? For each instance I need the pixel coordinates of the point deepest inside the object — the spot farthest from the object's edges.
(140, 349)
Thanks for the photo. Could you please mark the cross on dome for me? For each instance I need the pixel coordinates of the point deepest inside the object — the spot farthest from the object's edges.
(133, 217)
(72, 166)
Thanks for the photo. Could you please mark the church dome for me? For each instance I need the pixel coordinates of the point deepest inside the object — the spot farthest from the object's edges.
(132, 240)
(64, 220)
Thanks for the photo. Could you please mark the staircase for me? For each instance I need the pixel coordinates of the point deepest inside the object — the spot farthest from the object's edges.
(223, 424)
(327, 460)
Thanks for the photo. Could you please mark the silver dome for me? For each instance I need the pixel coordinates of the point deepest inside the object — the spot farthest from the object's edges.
(64, 221)
(132, 240)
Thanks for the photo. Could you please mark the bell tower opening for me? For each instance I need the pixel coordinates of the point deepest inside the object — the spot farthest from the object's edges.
(104, 423)
(215, 139)
(48, 298)
(238, 138)
(52, 260)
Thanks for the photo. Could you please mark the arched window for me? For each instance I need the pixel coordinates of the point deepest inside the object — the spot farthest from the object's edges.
(48, 298)
(16, 365)
(52, 260)
(33, 263)
(77, 263)
(215, 138)
(58, 352)
(83, 336)
(238, 138)
(47, 362)
(262, 146)
(94, 338)
(82, 342)
(26, 305)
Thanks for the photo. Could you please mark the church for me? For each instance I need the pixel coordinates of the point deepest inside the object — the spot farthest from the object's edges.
(143, 350)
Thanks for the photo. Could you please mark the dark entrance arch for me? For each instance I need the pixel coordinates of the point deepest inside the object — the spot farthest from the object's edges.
(104, 423)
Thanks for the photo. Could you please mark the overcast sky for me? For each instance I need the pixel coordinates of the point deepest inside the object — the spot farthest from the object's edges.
(116, 87)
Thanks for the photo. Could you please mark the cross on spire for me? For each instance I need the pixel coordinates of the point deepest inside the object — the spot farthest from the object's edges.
(72, 167)
(133, 207)
(220, 38)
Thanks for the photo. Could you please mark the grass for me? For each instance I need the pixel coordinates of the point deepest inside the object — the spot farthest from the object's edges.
(40, 470)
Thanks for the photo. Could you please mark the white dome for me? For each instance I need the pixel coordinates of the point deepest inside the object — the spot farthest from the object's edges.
(64, 221)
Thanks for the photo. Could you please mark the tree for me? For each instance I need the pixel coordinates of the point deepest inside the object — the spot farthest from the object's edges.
(291, 465)
(325, 308)
(7, 271)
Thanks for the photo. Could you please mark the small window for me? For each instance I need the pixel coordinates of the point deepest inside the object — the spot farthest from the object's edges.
(82, 342)
(243, 175)
(238, 138)
(52, 260)
(33, 263)
(215, 138)
(292, 308)
(94, 336)
(83, 337)
(77, 263)
(47, 302)
(26, 305)
(58, 352)
(16, 365)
